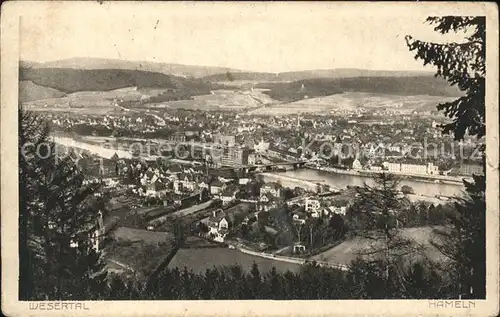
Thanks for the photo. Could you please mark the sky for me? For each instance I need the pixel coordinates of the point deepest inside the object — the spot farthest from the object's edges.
(267, 37)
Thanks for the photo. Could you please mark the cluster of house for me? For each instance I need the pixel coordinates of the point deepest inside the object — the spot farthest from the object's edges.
(220, 221)
(243, 213)
(178, 180)
(269, 194)
(144, 123)
(137, 122)
(156, 182)
(316, 208)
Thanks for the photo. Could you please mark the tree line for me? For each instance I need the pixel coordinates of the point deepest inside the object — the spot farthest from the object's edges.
(363, 281)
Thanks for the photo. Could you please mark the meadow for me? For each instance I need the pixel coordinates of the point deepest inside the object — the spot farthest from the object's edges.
(347, 251)
(352, 101)
(200, 259)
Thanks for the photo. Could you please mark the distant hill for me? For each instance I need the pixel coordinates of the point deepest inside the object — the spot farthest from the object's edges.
(29, 91)
(405, 86)
(214, 73)
(351, 101)
(310, 74)
(28, 64)
(73, 80)
(244, 76)
(98, 74)
(105, 63)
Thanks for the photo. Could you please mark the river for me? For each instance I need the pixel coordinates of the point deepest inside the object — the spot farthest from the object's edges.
(314, 176)
(342, 180)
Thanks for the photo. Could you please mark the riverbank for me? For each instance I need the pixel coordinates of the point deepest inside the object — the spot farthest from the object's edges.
(339, 180)
(311, 185)
(287, 259)
(452, 180)
(92, 148)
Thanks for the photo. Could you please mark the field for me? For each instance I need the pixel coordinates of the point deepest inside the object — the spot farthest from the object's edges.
(139, 258)
(84, 99)
(138, 251)
(68, 88)
(351, 101)
(99, 91)
(200, 259)
(29, 91)
(76, 84)
(197, 243)
(95, 111)
(219, 100)
(237, 76)
(71, 80)
(345, 252)
(191, 210)
(138, 235)
(101, 102)
(399, 86)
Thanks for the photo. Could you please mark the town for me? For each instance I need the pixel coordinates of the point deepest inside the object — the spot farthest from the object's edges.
(362, 144)
(184, 169)
(290, 154)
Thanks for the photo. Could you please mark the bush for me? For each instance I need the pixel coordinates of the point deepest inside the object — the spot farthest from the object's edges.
(407, 190)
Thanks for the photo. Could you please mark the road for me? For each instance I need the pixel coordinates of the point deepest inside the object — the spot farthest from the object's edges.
(122, 265)
(295, 260)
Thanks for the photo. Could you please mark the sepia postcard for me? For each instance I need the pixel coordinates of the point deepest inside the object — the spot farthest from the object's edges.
(249, 158)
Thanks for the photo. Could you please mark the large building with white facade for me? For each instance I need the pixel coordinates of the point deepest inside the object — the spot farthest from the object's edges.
(312, 205)
(231, 156)
(428, 169)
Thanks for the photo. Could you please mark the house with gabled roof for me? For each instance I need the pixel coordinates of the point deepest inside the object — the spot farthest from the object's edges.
(272, 188)
(187, 181)
(156, 186)
(173, 177)
(267, 202)
(150, 189)
(174, 169)
(216, 187)
(267, 198)
(203, 183)
(178, 188)
(218, 225)
(331, 210)
(299, 217)
(228, 194)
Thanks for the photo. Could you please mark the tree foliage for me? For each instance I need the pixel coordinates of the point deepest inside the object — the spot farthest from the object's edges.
(363, 281)
(463, 241)
(58, 215)
(229, 76)
(379, 209)
(405, 189)
(461, 64)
